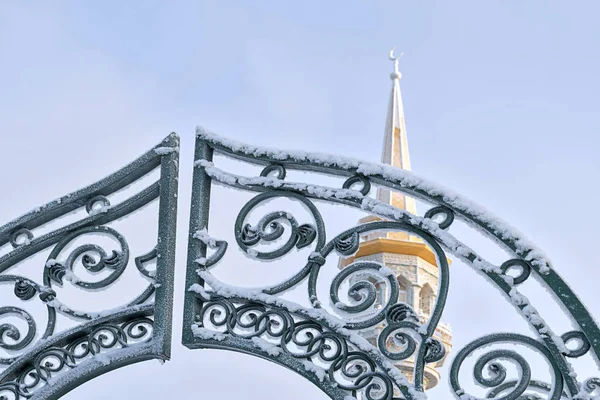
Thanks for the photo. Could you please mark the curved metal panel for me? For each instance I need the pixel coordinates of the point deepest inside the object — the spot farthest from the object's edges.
(47, 363)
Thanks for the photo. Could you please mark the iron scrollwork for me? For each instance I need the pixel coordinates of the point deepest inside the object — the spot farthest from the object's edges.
(101, 341)
(341, 361)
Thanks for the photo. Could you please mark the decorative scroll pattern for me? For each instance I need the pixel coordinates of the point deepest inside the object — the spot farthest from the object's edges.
(222, 316)
(54, 361)
(34, 350)
(276, 331)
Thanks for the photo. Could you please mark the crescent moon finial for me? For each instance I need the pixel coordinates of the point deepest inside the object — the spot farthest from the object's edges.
(394, 58)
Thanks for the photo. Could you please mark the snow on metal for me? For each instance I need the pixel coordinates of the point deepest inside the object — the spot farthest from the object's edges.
(40, 361)
(328, 347)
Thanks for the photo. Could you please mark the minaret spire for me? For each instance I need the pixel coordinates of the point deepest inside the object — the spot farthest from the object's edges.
(395, 144)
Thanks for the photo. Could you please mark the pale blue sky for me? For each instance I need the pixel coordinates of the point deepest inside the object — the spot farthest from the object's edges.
(501, 102)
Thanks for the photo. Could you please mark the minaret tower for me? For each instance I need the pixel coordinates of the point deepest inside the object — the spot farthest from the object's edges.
(411, 260)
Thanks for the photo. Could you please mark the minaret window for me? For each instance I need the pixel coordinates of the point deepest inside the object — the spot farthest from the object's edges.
(426, 299)
(380, 294)
(403, 294)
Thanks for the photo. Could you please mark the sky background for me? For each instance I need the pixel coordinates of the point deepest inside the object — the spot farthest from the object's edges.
(501, 103)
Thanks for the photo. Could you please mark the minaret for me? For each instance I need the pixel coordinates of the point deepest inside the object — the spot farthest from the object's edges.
(407, 256)
(395, 144)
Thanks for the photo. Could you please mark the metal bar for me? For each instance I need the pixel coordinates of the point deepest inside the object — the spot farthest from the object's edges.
(199, 215)
(166, 241)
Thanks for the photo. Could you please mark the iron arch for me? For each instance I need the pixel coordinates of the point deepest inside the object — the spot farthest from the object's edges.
(329, 348)
(434, 227)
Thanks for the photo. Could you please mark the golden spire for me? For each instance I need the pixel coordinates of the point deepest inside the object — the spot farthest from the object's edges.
(395, 144)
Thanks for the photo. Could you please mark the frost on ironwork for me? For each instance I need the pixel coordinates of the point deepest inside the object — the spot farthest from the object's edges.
(40, 360)
(329, 347)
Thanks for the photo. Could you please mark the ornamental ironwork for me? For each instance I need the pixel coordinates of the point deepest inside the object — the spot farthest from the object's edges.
(41, 361)
(329, 345)
(349, 343)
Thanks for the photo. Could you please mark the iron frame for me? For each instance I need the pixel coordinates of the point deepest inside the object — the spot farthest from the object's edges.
(57, 362)
(526, 259)
(325, 347)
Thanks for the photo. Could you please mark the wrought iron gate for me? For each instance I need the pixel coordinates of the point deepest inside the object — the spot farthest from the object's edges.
(50, 363)
(325, 345)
